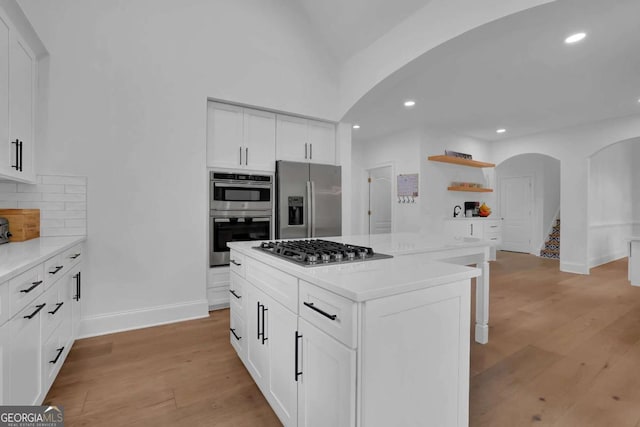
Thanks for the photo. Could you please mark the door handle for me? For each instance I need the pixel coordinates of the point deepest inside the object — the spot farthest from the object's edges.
(34, 285)
(58, 305)
(20, 156)
(17, 165)
(296, 371)
(316, 309)
(233, 331)
(311, 151)
(305, 150)
(59, 350)
(240, 156)
(38, 308)
(246, 156)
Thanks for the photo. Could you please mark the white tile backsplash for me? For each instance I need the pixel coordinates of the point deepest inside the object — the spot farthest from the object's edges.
(62, 201)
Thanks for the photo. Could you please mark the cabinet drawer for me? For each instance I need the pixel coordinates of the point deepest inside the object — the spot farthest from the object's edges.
(56, 308)
(237, 294)
(218, 276)
(329, 312)
(491, 227)
(25, 288)
(72, 256)
(237, 334)
(280, 286)
(53, 270)
(236, 263)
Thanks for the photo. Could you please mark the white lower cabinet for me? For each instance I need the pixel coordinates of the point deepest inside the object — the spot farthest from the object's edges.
(327, 380)
(25, 382)
(36, 340)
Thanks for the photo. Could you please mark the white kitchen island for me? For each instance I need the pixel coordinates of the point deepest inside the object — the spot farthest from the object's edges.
(367, 344)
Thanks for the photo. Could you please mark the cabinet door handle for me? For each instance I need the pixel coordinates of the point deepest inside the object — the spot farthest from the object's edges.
(234, 294)
(233, 331)
(38, 308)
(58, 305)
(234, 262)
(17, 165)
(34, 285)
(264, 337)
(311, 151)
(59, 350)
(58, 268)
(472, 229)
(78, 286)
(74, 256)
(258, 320)
(305, 150)
(20, 156)
(240, 156)
(246, 156)
(324, 313)
(296, 371)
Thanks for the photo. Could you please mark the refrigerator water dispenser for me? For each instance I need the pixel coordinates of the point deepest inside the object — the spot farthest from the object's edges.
(296, 210)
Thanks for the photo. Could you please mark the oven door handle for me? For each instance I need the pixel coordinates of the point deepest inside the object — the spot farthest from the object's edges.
(242, 219)
(242, 185)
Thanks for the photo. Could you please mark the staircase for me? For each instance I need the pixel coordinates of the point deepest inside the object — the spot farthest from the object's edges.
(552, 245)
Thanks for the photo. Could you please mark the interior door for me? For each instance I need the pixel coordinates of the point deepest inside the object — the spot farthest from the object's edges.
(516, 206)
(326, 203)
(380, 200)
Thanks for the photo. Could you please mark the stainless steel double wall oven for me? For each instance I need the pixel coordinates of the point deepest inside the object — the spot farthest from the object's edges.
(241, 209)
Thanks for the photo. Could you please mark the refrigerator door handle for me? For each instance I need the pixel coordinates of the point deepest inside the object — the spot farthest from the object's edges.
(309, 208)
(313, 209)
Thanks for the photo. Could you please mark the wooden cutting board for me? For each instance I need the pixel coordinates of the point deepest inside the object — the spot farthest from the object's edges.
(24, 224)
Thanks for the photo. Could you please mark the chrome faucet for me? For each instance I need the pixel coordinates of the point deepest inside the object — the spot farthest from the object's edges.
(456, 212)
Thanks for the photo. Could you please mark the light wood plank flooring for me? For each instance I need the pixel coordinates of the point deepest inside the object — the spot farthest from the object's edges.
(563, 351)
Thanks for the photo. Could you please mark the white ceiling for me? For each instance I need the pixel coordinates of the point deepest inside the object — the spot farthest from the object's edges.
(517, 73)
(349, 26)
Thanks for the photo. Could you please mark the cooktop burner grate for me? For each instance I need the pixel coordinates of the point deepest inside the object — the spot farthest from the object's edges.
(317, 252)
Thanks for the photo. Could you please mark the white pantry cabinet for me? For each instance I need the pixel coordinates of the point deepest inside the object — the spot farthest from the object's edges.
(18, 87)
(240, 138)
(304, 140)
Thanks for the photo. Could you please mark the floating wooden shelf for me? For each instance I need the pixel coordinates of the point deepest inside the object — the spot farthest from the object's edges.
(461, 161)
(471, 189)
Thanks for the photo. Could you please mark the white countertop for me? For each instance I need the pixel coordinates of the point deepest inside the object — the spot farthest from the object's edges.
(412, 267)
(17, 257)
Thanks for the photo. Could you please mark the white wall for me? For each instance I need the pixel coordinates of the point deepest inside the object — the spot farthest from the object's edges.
(408, 152)
(402, 152)
(613, 200)
(438, 202)
(572, 146)
(545, 174)
(126, 103)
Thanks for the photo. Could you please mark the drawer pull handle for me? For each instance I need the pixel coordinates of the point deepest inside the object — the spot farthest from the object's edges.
(38, 308)
(59, 350)
(324, 313)
(233, 331)
(234, 262)
(74, 256)
(58, 305)
(58, 268)
(296, 371)
(234, 294)
(35, 285)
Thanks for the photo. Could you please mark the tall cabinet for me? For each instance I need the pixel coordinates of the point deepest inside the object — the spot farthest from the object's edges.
(17, 104)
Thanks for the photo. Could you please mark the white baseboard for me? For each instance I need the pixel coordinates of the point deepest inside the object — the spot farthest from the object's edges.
(572, 267)
(109, 323)
(607, 258)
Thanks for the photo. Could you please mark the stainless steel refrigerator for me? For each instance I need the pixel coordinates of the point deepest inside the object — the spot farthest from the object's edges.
(308, 200)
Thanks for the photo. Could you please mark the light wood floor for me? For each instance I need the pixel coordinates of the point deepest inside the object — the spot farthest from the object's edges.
(564, 350)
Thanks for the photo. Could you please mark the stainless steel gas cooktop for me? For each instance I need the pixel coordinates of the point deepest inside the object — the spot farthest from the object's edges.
(316, 252)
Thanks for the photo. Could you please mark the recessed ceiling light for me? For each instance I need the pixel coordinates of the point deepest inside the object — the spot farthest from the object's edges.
(575, 38)
(501, 130)
(409, 103)
(356, 126)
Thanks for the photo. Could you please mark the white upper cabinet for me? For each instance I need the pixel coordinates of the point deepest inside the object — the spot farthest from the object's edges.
(322, 142)
(17, 109)
(240, 138)
(302, 140)
(259, 140)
